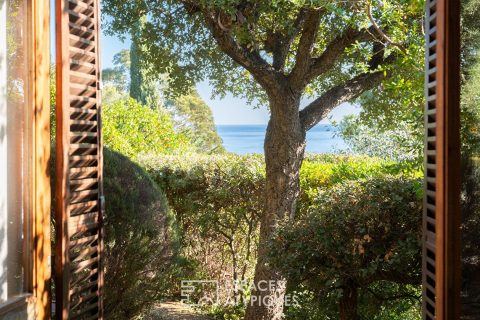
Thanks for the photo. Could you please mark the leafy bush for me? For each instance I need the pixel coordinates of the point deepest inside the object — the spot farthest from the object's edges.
(139, 242)
(218, 201)
(358, 245)
(320, 172)
(470, 111)
(402, 143)
(470, 240)
(134, 130)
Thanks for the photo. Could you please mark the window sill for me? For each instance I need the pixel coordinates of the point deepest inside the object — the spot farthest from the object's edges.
(17, 303)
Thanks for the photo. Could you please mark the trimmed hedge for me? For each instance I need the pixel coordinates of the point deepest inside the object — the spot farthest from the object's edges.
(217, 201)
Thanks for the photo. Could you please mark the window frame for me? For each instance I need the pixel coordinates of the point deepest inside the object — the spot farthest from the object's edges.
(36, 299)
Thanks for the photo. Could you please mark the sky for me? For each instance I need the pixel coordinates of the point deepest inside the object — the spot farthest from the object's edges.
(230, 110)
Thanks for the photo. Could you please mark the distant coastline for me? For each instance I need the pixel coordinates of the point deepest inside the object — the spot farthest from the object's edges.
(248, 138)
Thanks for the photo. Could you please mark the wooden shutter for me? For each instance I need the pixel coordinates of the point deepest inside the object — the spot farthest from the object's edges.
(79, 194)
(441, 242)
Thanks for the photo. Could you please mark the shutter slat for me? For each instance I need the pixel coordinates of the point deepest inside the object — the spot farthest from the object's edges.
(81, 19)
(82, 65)
(74, 244)
(85, 299)
(80, 31)
(83, 288)
(84, 253)
(82, 55)
(83, 78)
(77, 267)
(82, 312)
(81, 6)
(83, 172)
(77, 89)
(82, 43)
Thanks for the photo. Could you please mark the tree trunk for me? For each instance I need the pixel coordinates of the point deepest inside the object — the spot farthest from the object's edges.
(284, 152)
(348, 304)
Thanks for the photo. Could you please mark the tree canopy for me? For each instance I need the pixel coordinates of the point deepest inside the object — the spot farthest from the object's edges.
(194, 118)
(315, 44)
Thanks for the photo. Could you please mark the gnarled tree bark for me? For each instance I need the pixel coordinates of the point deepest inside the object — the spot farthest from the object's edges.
(284, 152)
(348, 305)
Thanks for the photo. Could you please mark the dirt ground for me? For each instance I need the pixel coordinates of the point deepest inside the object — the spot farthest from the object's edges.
(176, 311)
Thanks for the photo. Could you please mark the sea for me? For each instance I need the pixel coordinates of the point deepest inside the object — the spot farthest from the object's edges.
(245, 139)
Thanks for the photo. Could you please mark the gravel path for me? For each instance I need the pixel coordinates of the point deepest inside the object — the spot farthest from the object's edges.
(176, 311)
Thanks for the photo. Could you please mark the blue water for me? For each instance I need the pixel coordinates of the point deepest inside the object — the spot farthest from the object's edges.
(243, 139)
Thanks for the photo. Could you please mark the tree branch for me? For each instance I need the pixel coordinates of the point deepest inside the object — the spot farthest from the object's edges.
(305, 46)
(319, 108)
(334, 49)
(380, 31)
(251, 60)
(394, 297)
(279, 44)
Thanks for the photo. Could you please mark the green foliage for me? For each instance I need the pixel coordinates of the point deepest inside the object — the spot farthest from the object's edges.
(357, 234)
(144, 87)
(218, 201)
(140, 240)
(319, 172)
(193, 117)
(135, 130)
(177, 40)
(470, 239)
(313, 306)
(394, 111)
(401, 144)
(470, 108)
(116, 80)
(118, 76)
(236, 312)
(470, 34)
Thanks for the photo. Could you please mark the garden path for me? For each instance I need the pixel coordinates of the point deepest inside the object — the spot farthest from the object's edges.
(176, 311)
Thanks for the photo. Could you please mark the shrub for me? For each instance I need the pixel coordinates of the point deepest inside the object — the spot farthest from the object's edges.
(218, 201)
(141, 264)
(403, 142)
(470, 239)
(135, 130)
(323, 171)
(358, 246)
(139, 241)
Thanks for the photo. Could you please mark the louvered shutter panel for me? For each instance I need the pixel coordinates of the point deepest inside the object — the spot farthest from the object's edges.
(429, 215)
(441, 240)
(79, 191)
